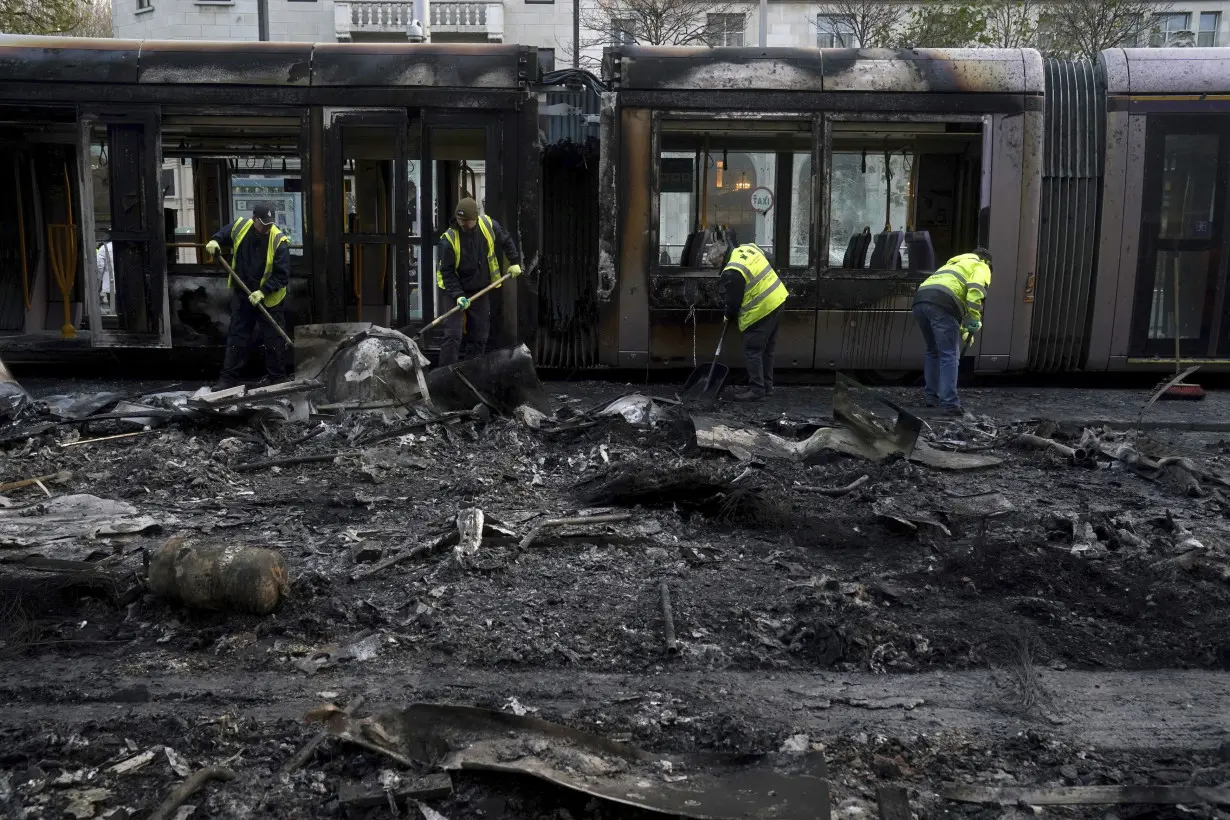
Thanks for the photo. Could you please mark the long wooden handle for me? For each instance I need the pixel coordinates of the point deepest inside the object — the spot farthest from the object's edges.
(528, 270)
(244, 288)
(456, 308)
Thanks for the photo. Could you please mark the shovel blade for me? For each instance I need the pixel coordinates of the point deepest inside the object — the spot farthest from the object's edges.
(700, 387)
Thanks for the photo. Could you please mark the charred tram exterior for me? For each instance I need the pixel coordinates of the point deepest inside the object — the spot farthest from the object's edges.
(364, 150)
(1100, 189)
(1096, 187)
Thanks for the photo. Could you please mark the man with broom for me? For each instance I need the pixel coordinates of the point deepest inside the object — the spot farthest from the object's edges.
(261, 254)
(468, 261)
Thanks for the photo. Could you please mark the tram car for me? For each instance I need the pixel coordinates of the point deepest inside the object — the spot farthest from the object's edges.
(1098, 187)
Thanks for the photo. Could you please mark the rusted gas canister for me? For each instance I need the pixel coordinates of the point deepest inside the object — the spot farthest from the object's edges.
(219, 577)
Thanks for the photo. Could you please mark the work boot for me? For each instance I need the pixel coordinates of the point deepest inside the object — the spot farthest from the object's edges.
(748, 394)
(222, 384)
(957, 411)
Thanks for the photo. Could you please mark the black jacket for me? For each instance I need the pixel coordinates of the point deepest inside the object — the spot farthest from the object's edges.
(732, 287)
(470, 275)
(249, 262)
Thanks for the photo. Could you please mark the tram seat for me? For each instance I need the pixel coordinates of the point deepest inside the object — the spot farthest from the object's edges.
(921, 251)
(685, 256)
(886, 253)
(856, 250)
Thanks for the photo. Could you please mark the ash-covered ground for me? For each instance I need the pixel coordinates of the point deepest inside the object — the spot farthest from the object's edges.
(1038, 622)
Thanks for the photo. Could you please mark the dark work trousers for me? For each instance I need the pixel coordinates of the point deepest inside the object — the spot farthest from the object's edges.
(942, 335)
(250, 329)
(474, 329)
(759, 344)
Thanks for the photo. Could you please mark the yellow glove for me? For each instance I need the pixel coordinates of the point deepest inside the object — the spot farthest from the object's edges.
(966, 337)
(514, 271)
(212, 247)
(257, 296)
(463, 303)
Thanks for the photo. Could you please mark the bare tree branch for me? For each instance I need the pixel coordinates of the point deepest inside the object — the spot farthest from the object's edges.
(1081, 29)
(1012, 23)
(873, 23)
(651, 22)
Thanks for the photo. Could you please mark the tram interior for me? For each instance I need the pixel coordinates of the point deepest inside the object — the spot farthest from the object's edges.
(212, 170)
(902, 196)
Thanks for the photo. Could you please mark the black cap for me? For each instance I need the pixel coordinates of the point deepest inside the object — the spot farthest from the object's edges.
(984, 254)
(264, 212)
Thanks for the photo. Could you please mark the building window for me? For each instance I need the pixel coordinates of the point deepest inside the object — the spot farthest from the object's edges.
(623, 31)
(1210, 22)
(1171, 29)
(835, 31)
(168, 182)
(725, 30)
(145, 5)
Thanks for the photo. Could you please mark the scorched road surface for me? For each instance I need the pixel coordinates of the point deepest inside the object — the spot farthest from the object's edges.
(1079, 635)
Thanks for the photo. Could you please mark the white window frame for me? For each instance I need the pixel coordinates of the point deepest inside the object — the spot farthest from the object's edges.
(726, 29)
(1208, 37)
(1164, 27)
(835, 31)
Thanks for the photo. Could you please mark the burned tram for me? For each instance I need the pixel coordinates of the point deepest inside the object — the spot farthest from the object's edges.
(123, 157)
(1100, 189)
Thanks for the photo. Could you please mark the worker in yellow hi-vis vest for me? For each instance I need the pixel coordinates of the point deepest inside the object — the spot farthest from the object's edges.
(261, 254)
(754, 295)
(468, 261)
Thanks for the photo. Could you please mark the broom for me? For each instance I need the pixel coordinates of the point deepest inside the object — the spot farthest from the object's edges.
(1180, 389)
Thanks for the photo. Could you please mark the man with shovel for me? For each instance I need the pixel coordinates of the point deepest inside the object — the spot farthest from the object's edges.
(261, 254)
(469, 260)
(754, 295)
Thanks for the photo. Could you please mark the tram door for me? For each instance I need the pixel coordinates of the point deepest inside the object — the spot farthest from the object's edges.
(460, 167)
(1182, 279)
(122, 231)
(372, 244)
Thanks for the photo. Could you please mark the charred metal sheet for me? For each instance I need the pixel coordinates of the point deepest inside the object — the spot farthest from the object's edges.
(225, 63)
(68, 59)
(802, 70)
(929, 70)
(1176, 71)
(405, 64)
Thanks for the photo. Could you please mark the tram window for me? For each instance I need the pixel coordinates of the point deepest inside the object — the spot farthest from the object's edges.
(718, 182)
(902, 196)
(714, 189)
(800, 211)
(862, 197)
(1187, 214)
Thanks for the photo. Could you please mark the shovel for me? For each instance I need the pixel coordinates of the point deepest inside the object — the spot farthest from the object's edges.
(706, 381)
